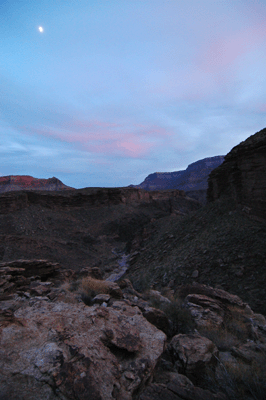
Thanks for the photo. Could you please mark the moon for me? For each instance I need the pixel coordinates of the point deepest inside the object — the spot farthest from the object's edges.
(40, 29)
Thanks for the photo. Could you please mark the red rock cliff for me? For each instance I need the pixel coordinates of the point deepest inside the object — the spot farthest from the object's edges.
(25, 182)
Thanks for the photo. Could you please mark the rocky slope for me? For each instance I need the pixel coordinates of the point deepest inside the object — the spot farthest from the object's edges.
(24, 182)
(218, 245)
(242, 176)
(80, 228)
(191, 180)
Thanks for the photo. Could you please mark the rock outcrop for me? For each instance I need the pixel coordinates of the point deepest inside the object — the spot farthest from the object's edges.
(242, 176)
(169, 200)
(13, 183)
(53, 346)
(70, 351)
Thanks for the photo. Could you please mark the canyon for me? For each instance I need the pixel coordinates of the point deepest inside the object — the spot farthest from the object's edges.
(184, 321)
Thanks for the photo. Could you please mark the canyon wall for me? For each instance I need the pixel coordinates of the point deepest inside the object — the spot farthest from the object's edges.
(242, 175)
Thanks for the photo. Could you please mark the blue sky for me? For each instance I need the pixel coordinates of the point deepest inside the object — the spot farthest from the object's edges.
(111, 91)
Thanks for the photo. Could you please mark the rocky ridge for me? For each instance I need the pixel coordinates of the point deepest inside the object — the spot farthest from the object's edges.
(193, 180)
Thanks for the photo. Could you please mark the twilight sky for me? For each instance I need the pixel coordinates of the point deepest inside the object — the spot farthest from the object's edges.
(113, 90)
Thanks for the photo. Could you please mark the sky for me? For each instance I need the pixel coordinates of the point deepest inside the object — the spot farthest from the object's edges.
(113, 90)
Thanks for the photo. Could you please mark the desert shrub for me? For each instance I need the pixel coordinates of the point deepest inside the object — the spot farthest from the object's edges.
(141, 284)
(238, 380)
(221, 337)
(179, 316)
(247, 380)
(98, 286)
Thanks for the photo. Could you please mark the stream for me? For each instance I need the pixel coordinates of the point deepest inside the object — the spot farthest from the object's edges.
(120, 270)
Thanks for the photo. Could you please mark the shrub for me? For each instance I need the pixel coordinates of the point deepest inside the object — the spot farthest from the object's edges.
(91, 284)
(179, 316)
(221, 337)
(99, 286)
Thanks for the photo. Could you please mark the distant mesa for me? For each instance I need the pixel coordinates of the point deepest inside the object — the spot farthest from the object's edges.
(13, 183)
(193, 180)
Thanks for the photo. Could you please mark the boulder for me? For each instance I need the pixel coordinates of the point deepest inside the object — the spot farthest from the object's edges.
(192, 352)
(204, 310)
(101, 298)
(57, 350)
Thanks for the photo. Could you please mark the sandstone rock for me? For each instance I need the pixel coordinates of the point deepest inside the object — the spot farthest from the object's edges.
(192, 352)
(28, 268)
(158, 318)
(40, 288)
(70, 351)
(204, 310)
(101, 298)
(214, 293)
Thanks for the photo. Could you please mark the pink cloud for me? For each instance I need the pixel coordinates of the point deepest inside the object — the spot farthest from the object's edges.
(225, 51)
(110, 139)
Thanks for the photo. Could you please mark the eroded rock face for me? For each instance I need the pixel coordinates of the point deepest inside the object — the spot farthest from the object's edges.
(242, 175)
(70, 351)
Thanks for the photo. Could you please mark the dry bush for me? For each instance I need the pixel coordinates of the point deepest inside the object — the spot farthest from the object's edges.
(96, 286)
(91, 284)
(179, 316)
(221, 337)
(246, 381)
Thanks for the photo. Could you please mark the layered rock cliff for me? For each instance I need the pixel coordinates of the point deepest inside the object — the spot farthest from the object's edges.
(193, 178)
(13, 183)
(242, 176)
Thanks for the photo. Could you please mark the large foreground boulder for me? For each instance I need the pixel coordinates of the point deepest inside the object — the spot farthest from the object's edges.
(58, 350)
